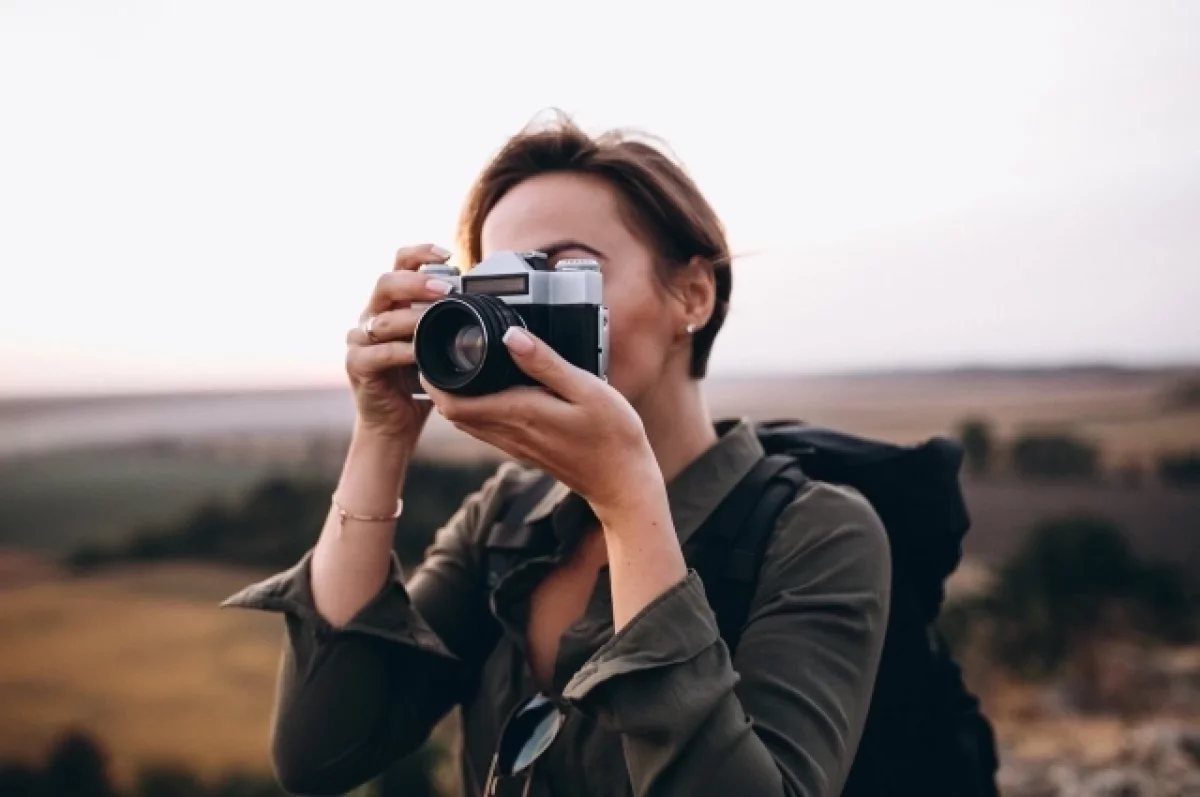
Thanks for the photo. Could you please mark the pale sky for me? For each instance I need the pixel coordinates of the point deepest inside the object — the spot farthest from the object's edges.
(201, 194)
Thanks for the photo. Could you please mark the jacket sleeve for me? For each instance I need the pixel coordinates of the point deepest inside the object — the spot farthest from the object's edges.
(350, 700)
(785, 716)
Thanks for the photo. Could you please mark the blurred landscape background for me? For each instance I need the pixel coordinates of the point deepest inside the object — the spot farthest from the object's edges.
(963, 219)
(124, 520)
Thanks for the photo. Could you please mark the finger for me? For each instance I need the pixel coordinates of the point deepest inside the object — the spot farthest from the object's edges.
(411, 258)
(439, 398)
(370, 360)
(430, 391)
(404, 287)
(451, 407)
(496, 438)
(389, 325)
(546, 366)
(520, 410)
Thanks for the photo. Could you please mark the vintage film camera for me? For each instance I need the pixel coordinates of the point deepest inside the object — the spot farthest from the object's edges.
(458, 346)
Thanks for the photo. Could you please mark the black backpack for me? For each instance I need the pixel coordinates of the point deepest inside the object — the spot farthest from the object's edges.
(924, 732)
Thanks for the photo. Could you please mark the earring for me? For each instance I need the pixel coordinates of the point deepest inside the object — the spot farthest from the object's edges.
(691, 329)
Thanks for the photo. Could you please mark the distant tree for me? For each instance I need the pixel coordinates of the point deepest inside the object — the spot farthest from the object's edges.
(1064, 579)
(168, 781)
(77, 767)
(243, 784)
(20, 780)
(277, 521)
(165, 780)
(1054, 455)
(1184, 394)
(978, 444)
(88, 557)
(1180, 469)
(1131, 473)
(1168, 604)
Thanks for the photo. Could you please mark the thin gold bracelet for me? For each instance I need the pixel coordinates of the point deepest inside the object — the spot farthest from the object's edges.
(345, 514)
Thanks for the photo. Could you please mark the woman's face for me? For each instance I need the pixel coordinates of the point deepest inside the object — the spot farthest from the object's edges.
(568, 215)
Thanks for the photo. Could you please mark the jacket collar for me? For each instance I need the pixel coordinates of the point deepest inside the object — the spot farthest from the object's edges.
(693, 494)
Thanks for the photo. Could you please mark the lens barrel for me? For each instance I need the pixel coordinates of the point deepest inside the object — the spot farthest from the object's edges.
(458, 346)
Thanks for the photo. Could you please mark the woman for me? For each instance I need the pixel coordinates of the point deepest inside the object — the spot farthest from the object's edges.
(603, 616)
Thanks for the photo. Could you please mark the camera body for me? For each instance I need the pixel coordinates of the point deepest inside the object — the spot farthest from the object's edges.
(457, 343)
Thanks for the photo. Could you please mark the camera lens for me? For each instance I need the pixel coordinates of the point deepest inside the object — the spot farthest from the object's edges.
(458, 347)
(466, 350)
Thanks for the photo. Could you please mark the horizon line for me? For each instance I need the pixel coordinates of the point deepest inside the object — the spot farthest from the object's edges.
(964, 369)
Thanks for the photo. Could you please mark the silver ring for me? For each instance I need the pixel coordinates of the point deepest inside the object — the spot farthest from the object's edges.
(368, 329)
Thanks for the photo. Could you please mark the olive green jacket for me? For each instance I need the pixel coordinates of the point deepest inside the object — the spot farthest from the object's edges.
(657, 710)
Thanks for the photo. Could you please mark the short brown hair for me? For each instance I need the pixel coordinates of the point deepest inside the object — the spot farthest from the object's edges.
(658, 199)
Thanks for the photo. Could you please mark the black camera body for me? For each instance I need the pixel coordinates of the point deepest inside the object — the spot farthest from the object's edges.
(457, 343)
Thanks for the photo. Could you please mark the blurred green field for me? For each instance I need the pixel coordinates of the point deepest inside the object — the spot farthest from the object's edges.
(53, 502)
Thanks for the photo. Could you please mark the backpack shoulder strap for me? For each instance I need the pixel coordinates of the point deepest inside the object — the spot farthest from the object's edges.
(750, 546)
(728, 549)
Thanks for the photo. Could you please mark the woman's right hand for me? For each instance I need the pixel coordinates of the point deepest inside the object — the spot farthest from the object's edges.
(383, 373)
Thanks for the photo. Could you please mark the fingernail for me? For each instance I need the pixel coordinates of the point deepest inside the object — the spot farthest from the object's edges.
(438, 286)
(518, 340)
(440, 252)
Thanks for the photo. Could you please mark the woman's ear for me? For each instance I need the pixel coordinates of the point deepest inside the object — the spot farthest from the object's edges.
(695, 287)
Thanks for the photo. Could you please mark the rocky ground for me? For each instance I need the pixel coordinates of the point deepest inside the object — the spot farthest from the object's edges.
(1158, 759)
(1142, 740)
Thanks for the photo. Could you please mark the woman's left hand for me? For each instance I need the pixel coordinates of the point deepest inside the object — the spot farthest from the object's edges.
(576, 427)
